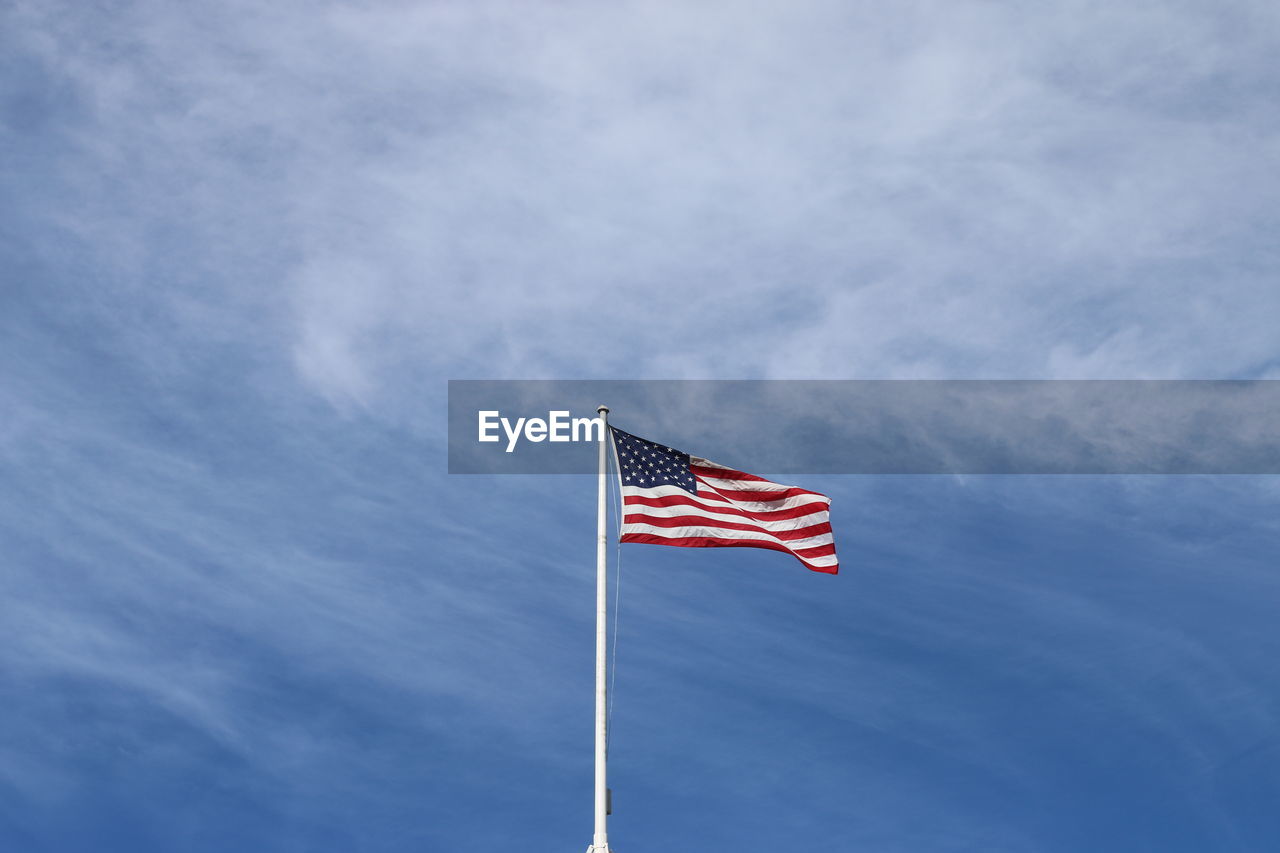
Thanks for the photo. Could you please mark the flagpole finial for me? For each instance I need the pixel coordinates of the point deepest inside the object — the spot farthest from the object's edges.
(602, 409)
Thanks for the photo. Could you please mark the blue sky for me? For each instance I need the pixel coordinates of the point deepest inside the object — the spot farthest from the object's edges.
(245, 245)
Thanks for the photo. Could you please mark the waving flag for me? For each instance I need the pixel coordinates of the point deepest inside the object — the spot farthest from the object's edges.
(672, 498)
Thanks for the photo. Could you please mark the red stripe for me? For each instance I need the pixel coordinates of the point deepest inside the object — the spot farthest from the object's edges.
(701, 471)
(763, 515)
(702, 521)
(705, 495)
(726, 474)
(713, 542)
(828, 550)
(756, 495)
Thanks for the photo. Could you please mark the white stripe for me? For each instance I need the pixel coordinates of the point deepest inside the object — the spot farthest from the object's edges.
(742, 485)
(748, 506)
(725, 533)
(665, 533)
(744, 481)
(780, 503)
(818, 516)
(829, 560)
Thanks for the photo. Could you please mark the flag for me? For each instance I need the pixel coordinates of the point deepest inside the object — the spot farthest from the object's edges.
(672, 498)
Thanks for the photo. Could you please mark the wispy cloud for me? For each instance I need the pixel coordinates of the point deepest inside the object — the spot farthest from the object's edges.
(955, 190)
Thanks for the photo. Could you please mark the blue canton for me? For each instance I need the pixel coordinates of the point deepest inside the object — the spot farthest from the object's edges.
(645, 464)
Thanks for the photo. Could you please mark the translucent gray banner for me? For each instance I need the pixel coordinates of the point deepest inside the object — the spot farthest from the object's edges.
(878, 426)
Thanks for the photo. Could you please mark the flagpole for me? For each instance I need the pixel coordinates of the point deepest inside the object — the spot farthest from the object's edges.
(600, 841)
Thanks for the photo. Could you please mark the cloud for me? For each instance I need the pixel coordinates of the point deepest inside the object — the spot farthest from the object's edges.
(960, 190)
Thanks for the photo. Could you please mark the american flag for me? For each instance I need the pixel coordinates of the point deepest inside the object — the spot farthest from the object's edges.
(672, 498)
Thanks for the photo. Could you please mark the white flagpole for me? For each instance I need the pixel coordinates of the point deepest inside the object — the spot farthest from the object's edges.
(600, 841)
